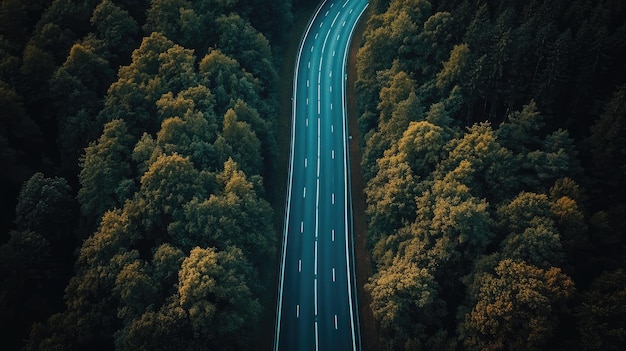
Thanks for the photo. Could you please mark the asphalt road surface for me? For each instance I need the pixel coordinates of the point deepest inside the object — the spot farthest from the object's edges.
(317, 302)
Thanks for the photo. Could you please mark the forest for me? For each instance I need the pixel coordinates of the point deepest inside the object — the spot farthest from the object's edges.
(494, 148)
(135, 137)
(138, 148)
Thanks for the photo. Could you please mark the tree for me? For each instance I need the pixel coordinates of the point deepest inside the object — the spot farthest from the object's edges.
(514, 307)
(216, 291)
(106, 175)
(250, 48)
(89, 298)
(422, 146)
(170, 182)
(404, 300)
(235, 215)
(227, 81)
(28, 291)
(46, 206)
(517, 215)
(245, 146)
(165, 329)
(601, 313)
(608, 144)
(187, 131)
(454, 68)
(116, 27)
(132, 97)
(390, 197)
(520, 133)
(491, 171)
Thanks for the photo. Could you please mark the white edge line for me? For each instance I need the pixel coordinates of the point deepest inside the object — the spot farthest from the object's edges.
(290, 181)
(345, 172)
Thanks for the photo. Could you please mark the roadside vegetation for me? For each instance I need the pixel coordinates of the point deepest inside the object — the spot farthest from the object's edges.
(136, 140)
(493, 143)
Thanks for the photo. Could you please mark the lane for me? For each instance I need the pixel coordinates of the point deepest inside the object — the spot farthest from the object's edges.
(316, 304)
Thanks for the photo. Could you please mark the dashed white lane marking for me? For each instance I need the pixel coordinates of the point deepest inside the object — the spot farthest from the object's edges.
(302, 227)
(297, 311)
(331, 89)
(333, 273)
(332, 128)
(316, 34)
(300, 267)
(312, 48)
(336, 322)
(332, 153)
(326, 13)
(304, 193)
(331, 107)
(332, 234)
(333, 198)
(307, 83)
(305, 162)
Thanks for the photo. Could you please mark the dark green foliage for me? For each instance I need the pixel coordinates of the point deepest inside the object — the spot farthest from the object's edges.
(160, 114)
(473, 116)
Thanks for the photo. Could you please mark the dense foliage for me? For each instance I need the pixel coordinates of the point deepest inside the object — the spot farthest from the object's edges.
(151, 126)
(494, 154)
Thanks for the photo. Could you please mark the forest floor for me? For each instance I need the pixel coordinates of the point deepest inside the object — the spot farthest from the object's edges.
(277, 195)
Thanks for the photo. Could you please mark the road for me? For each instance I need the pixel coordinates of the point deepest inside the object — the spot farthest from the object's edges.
(317, 302)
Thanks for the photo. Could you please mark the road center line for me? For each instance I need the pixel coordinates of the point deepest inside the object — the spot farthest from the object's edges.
(337, 15)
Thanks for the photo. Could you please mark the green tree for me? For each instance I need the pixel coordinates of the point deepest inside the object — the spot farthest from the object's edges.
(28, 290)
(236, 215)
(132, 97)
(77, 87)
(404, 300)
(514, 307)
(106, 175)
(227, 81)
(454, 68)
(608, 145)
(216, 291)
(602, 311)
(245, 146)
(46, 206)
(165, 329)
(116, 27)
(491, 167)
(170, 182)
(187, 131)
(238, 39)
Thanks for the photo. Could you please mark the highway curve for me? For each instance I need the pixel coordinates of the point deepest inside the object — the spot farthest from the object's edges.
(317, 302)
